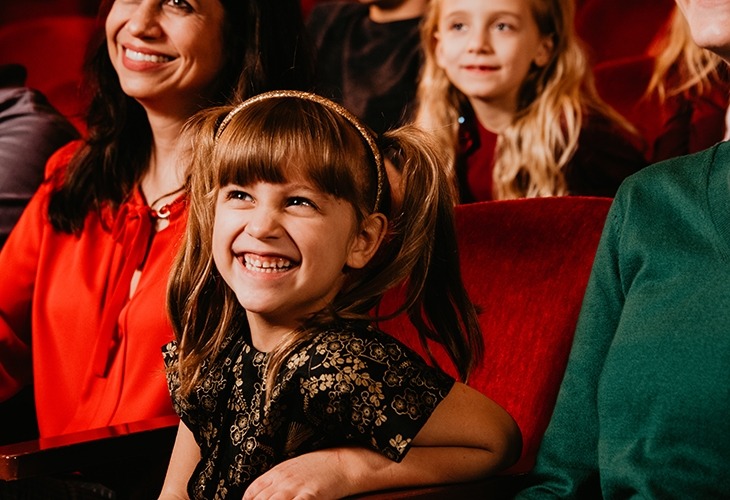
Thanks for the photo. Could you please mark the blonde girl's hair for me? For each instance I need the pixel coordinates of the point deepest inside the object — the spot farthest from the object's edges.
(287, 135)
(683, 67)
(534, 149)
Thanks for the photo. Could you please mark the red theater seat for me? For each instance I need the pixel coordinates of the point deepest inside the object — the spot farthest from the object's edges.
(615, 29)
(525, 263)
(52, 50)
(12, 11)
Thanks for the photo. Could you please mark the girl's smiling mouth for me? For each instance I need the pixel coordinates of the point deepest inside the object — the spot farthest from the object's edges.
(266, 264)
(480, 67)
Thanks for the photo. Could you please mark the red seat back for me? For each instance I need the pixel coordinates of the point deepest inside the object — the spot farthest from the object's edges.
(615, 29)
(526, 264)
(52, 49)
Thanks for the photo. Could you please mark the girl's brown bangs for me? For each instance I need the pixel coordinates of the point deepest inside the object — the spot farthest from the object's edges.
(278, 142)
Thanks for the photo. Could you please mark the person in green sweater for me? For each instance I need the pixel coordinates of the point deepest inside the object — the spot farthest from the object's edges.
(643, 408)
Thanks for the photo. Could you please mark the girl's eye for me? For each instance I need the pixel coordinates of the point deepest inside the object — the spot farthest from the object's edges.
(457, 26)
(300, 201)
(502, 26)
(235, 194)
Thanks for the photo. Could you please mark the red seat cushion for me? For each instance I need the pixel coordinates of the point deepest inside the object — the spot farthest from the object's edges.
(526, 264)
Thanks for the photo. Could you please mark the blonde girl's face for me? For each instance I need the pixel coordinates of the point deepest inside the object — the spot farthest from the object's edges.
(487, 47)
(709, 23)
(283, 249)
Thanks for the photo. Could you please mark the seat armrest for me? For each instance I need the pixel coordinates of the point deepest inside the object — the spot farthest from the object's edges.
(73, 452)
(154, 438)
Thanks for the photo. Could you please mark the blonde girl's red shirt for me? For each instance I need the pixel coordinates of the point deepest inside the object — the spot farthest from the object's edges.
(605, 156)
(59, 290)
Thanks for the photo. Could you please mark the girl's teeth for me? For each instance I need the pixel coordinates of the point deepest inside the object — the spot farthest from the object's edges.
(267, 266)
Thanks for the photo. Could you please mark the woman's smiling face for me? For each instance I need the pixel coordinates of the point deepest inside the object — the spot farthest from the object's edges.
(166, 52)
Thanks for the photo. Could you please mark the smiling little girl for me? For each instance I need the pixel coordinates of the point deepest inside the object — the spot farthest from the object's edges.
(281, 381)
(507, 89)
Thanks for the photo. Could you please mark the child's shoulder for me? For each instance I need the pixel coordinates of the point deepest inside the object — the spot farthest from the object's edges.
(357, 354)
(357, 335)
(360, 347)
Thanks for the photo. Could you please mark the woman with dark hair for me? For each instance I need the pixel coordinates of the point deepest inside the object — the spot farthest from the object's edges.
(82, 299)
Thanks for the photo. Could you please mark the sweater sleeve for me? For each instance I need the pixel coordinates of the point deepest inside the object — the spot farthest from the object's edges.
(567, 460)
(18, 266)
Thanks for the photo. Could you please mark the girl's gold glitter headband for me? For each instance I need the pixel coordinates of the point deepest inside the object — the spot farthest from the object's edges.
(364, 132)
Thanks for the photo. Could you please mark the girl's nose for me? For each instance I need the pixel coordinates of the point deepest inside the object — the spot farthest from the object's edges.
(263, 223)
(479, 40)
(144, 21)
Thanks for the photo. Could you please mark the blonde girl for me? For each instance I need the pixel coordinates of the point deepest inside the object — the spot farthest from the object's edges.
(282, 383)
(507, 88)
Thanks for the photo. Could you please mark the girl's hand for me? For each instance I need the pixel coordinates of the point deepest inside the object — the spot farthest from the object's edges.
(316, 475)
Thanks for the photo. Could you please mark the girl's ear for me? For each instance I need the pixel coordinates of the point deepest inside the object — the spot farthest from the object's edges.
(544, 51)
(367, 241)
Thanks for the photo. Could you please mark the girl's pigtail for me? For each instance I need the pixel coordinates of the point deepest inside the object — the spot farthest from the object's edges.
(444, 305)
(435, 299)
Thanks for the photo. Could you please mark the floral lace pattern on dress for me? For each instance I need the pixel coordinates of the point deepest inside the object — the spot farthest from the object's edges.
(349, 386)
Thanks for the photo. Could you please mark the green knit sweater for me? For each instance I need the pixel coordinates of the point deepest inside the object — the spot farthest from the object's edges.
(644, 407)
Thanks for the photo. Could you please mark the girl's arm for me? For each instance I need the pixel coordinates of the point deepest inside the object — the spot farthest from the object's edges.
(467, 437)
(185, 456)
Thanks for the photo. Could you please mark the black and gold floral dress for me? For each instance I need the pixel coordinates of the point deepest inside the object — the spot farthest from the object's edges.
(353, 385)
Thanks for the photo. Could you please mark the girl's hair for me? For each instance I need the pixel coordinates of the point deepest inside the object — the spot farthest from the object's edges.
(265, 49)
(286, 135)
(552, 102)
(683, 67)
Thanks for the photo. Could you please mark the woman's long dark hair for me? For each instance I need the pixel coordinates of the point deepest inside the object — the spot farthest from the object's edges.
(267, 49)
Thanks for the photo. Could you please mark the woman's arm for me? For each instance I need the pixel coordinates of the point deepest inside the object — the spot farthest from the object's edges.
(467, 437)
(185, 456)
(19, 268)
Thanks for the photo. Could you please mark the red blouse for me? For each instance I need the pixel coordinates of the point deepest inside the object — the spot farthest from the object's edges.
(89, 370)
